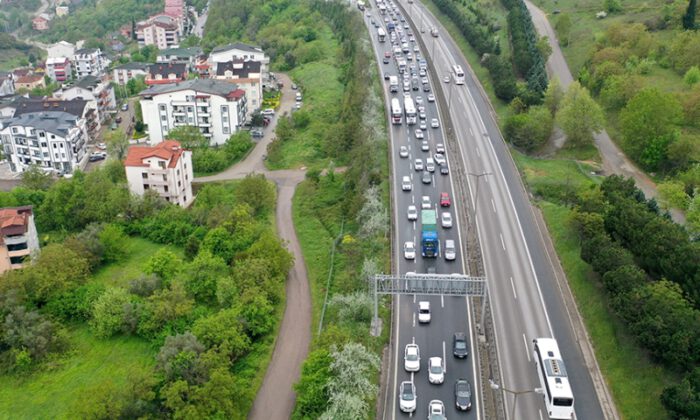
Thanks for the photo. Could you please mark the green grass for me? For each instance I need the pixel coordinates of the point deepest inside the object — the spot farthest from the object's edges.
(56, 393)
(634, 381)
(121, 273)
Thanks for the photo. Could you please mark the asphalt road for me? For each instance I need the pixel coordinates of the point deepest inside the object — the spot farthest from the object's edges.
(449, 314)
(525, 296)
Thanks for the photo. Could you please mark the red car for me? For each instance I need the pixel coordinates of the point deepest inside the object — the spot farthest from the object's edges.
(445, 200)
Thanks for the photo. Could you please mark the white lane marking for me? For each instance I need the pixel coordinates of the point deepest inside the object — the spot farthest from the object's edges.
(414, 301)
(527, 351)
(442, 301)
(444, 359)
(413, 200)
(432, 177)
(493, 205)
(414, 323)
(413, 341)
(478, 153)
(541, 418)
(471, 131)
(471, 345)
(515, 295)
(503, 244)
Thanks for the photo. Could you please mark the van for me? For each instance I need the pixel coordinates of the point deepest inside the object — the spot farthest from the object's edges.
(430, 164)
(406, 184)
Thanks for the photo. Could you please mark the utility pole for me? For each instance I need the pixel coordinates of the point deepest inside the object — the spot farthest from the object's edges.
(496, 387)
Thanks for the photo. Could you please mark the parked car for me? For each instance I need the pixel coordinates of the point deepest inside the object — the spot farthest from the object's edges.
(102, 146)
(118, 120)
(125, 107)
(268, 112)
(257, 133)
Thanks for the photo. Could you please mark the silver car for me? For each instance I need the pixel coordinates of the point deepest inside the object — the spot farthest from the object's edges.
(440, 158)
(445, 219)
(418, 164)
(427, 177)
(425, 146)
(450, 250)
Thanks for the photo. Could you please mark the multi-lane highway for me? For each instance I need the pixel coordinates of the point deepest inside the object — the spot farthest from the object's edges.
(525, 297)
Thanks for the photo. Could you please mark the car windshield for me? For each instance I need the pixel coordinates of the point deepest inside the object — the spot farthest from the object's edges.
(411, 356)
(460, 345)
(423, 311)
(462, 391)
(435, 369)
(407, 393)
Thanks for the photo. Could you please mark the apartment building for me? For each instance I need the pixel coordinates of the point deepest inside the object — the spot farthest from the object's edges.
(217, 107)
(63, 49)
(84, 110)
(96, 91)
(122, 74)
(180, 55)
(248, 76)
(165, 73)
(51, 139)
(89, 62)
(165, 168)
(18, 237)
(163, 31)
(239, 51)
(59, 69)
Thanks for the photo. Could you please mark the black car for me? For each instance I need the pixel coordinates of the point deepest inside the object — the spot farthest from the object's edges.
(444, 170)
(463, 395)
(386, 75)
(459, 345)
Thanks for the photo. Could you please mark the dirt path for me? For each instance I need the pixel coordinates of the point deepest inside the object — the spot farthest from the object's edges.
(614, 160)
(276, 398)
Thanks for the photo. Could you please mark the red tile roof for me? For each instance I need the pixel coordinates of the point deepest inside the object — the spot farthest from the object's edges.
(13, 220)
(168, 150)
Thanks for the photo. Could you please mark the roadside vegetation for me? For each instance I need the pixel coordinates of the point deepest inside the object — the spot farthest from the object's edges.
(208, 159)
(191, 298)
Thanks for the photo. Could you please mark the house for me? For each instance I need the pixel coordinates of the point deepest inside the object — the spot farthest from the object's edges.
(51, 139)
(201, 66)
(89, 62)
(180, 55)
(59, 69)
(175, 8)
(239, 51)
(218, 108)
(62, 11)
(163, 31)
(165, 168)
(99, 93)
(41, 22)
(247, 76)
(18, 237)
(7, 84)
(81, 108)
(125, 72)
(30, 82)
(164, 73)
(63, 49)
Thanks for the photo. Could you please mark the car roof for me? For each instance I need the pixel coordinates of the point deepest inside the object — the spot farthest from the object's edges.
(460, 335)
(450, 242)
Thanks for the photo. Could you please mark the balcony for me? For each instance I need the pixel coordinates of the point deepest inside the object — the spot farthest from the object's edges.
(182, 103)
(204, 124)
(179, 113)
(19, 253)
(14, 240)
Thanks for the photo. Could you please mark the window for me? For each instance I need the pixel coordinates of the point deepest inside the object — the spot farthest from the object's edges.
(161, 107)
(146, 186)
(164, 118)
(224, 109)
(53, 136)
(226, 130)
(42, 134)
(161, 165)
(165, 188)
(144, 175)
(179, 183)
(14, 130)
(55, 145)
(63, 155)
(190, 109)
(43, 144)
(165, 177)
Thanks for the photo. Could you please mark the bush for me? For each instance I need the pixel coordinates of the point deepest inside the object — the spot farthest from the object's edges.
(108, 312)
(529, 130)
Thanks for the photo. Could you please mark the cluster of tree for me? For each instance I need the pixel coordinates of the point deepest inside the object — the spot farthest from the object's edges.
(479, 34)
(649, 269)
(17, 15)
(210, 159)
(8, 42)
(527, 57)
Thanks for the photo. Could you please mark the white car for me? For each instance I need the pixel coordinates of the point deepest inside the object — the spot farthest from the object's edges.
(425, 202)
(436, 410)
(439, 158)
(419, 100)
(440, 148)
(431, 97)
(268, 111)
(419, 134)
(418, 164)
(424, 312)
(450, 251)
(434, 123)
(411, 358)
(425, 146)
(412, 212)
(102, 146)
(406, 184)
(407, 397)
(436, 371)
(446, 219)
(403, 151)
(409, 250)
(423, 125)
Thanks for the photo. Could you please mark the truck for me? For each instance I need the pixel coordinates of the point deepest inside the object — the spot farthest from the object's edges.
(401, 64)
(394, 83)
(381, 34)
(430, 245)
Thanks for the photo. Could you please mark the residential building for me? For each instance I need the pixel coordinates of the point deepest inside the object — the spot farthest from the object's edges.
(99, 93)
(175, 8)
(163, 31)
(122, 74)
(30, 82)
(63, 49)
(217, 107)
(62, 10)
(51, 139)
(239, 51)
(18, 237)
(202, 66)
(81, 108)
(7, 84)
(89, 62)
(41, 22)
(247, 76)
(165, 168)
(165, 73)
(59, 69)
(180, 55)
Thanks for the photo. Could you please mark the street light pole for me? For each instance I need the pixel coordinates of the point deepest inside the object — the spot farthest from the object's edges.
(496, 387)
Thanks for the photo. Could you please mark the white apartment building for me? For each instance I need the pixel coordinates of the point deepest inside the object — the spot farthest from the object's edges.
(165, 168)
(122, 74)
(98, 93)
(59, 69)
(163, 31)
(239, 51)
(63, 49)
(89, 62)
(18, 237)
(217, 107)
(248, 76)
(52, 139)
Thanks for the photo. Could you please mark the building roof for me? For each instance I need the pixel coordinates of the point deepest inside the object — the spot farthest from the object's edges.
(168, 150)
(57, 60)
(238, 68)
(14, 220)
(181, 52)
(165, 69)
(87, 51)
(25, 106)
(133, 66)
(30, 78)
(210, 86)
(55, 122)
(237, 46)
(88, 82)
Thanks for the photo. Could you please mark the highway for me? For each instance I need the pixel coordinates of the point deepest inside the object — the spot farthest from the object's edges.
(449, 314)
(525, 296)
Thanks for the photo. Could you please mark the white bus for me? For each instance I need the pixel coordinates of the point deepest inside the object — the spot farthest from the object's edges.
(381, 34)
(395, 111)
(458, 74)
(558, 396)
(410, 109)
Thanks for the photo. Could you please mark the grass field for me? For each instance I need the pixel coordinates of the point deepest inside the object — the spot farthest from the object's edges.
(55, 393)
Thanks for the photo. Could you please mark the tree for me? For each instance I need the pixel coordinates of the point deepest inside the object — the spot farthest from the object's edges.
(178, 358)
(108, 312)
(224, 330)
(689, 16)
(164, 263)
(256, 312)
(257, 192)
(648, 124)
(529, 130)
(114, 243)
(189, 137)
(202, 275)
(219, 242)
(312, 388)
(683, 400)
(693, 216)
(580, 116)
(26, 330)
(553, 96)
(673, 195)
(563, 27)
(544, 48)
(692, 76)
(117, 143)
(352, 368)
(57, 270)
(36, 179)
(612, 6)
